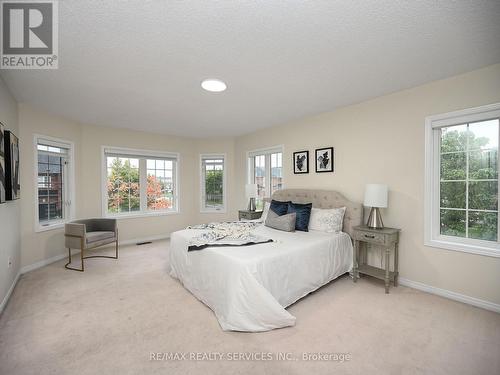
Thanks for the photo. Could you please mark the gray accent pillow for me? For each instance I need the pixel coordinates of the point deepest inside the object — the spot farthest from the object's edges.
(284, 222)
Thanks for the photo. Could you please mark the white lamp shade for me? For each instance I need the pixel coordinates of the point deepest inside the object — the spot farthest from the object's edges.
(376, 195)
(251, 190)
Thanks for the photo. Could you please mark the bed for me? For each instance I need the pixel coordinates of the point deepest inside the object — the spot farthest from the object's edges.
(249, 288)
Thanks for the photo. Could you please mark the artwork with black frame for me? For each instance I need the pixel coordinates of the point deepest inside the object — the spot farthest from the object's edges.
(324, 159)
(2, 164)
(301, 162)
(11, 151)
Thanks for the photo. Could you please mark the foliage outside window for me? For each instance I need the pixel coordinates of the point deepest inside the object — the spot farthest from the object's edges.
(53, 182)
(266, 170)
(462, 182)
(212, 183)
(139, 184)
(469, 181)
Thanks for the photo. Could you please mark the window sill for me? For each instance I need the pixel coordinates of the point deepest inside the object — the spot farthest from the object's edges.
(492, 250)
(141, 215)
(46, 228)
(213, 211)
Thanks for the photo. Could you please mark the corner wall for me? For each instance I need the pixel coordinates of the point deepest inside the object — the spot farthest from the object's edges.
(10, 247)
(382, 141)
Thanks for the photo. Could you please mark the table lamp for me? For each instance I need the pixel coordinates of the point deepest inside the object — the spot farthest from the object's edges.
(251, 193)
(375, 197)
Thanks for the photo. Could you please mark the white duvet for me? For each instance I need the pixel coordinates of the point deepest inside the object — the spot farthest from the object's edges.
(249, 287)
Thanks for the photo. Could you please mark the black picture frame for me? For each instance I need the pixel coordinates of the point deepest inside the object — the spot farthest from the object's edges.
(11, 150)
(2, 165)
(324, 159)
(300, 166)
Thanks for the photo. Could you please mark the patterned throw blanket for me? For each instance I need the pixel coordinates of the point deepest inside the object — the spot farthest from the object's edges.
(234, 233)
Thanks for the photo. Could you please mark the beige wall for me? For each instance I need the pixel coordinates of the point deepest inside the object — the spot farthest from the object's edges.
(382, 141)
(9, 211)
(88, 142)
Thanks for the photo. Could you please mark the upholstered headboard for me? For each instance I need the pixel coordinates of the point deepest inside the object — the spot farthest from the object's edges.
(325, 199)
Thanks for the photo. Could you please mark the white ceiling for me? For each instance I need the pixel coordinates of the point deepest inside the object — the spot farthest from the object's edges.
(138, 64)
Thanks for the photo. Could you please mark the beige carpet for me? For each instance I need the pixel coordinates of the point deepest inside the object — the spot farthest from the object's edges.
(110, 319)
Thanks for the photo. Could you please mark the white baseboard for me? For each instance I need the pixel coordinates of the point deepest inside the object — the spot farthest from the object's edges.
(144, 239)
(57, 258)
(451, 295)
(45, 262)
(11, 289)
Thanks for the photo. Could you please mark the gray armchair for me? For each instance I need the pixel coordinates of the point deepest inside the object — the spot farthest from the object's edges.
(89, 234)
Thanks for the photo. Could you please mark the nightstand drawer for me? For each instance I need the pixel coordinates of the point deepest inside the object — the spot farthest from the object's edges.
(246, 215)
(249, 215)
(370, 237)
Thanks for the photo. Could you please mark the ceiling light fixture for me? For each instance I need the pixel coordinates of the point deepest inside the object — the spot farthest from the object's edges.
(213, 85)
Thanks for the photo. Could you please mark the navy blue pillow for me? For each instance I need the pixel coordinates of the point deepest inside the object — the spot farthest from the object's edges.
(303, 212)
(280, 208)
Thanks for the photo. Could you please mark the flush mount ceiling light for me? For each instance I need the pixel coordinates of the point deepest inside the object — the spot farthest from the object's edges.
(213, 85)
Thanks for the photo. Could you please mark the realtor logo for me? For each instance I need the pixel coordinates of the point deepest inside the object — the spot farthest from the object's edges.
(29, 34)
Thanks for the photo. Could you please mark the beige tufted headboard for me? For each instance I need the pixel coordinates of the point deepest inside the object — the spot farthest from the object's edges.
(325, 199)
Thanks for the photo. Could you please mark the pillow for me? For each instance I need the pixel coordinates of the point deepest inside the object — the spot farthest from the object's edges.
(303, 212)
(284, 222)
(280, 208)
(265, 211)
(327, 220)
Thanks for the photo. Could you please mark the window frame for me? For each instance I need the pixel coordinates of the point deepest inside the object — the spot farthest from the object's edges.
(251, 167)
(432, 235)
(204, 209)
(142, 155)
(69, 181)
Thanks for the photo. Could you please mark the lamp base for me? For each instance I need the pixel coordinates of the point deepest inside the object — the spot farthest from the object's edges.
(375, 219)
(251, 204)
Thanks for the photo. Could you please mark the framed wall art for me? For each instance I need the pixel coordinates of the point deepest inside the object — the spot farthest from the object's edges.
(11, 152)
(301, 162)
(2, 164)
(324, 159)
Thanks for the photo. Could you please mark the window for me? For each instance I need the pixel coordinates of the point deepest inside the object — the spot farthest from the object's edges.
(213, 181)
(462, 180)
(139, 182)
(266, 170)
(54, 182)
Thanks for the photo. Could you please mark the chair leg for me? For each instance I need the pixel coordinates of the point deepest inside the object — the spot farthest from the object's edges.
(72, 268)
(81, 254)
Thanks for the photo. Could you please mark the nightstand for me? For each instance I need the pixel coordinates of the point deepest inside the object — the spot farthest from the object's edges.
(388, 239)
(249, 215)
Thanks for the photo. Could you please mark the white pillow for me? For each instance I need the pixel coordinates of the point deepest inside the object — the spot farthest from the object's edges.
(328, 220)
(265, 211)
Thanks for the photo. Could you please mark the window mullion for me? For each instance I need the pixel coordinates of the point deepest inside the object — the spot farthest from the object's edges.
(143, 181)
(268, 174)
(437, 178)
(48, 192)
(467, 155)
(64, 196)
(203, 184)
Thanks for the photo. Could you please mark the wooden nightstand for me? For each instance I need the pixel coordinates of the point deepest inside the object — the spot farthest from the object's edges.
(386, 238)
(249, 215)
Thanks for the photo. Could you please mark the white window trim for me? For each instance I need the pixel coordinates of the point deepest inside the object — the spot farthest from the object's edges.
(264, 151)
(204, 209)
(70, 184)
(432, 236)
(138, 153)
